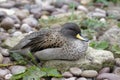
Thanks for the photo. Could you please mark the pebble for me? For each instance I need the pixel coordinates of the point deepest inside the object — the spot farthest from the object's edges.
(72, 78)
(17, 69)
(116, 70)
(7, 23)
(109, 76)
(6, 60)
(8, 76)
(15, 18)
(89, 73)
(104, 70)
(103, 20)
(8, 4)
(3, 72)
(30, 21)
(85, 2)
(3, 36)
(8, 11)
(25, 28)
(76, 71)
(67, 74)
(1, 58)
(17, 33)
(17, 26)
(96, 14)
(4, 52)
(117, 61)
(100, 10)
(2, 15)
(81, 78)
(82, 8)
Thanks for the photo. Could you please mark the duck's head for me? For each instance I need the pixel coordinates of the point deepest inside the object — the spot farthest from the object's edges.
(72, 30)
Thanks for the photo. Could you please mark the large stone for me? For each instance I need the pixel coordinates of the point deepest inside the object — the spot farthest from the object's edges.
(94, 60)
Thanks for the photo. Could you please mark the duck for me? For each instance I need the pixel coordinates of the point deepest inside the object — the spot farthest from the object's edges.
(61, 43)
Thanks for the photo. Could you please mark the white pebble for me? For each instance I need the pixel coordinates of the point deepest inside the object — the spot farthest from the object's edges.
(17, 33)
(8, 76)
(25, 28)
(3, 72)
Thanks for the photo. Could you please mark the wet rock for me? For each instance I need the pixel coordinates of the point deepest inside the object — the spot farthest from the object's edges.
(82, 8)
(67, 74)
(104, 70)
(117, 61)
(76, 71)
(89, 73)
(17, 33)
(116, 70)
(109, 76)
(7, 23)
(3, 72)
(96, 57)
(4, 52)
(1, 58)
(22, 14)
(30, 21)
(17, 69)
(25, 28)
(82, 78)
(8, 76)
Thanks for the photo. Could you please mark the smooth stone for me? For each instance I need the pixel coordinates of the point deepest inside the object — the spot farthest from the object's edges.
(48, 8)
(16, 19)
(104, 70)
(3, 36)
(25, 28)
(117, 61)
(96, 57)
(65, 7)
(17, 26)
(76, 71)
(89, 73)
(85, 2)
(100, 10)
(6, 60)
(56, 78)
(22, 14)
(8, 4)
(103, 20)
(8, 11)
(82, 8)
(4, 52)
(72, 78)
(116, 70)
(2, 15)
(81, 78)
(67, 74)
(96, 14)
(8, 76)
(11, 31)
(109, 76)
(17, 69)
(30, 21)
(1, 57)
(17, 33)
(3, 72)
(7, 23)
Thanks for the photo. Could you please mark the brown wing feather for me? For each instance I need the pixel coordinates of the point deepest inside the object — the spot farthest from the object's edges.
(49, 40)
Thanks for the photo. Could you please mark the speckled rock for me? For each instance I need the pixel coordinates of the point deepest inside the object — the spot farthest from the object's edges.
(67, 74)
(76, 71)
(96, 57)
(89, 73)
(7, 23)
(109, 76)
(17, 69)
(3, 72)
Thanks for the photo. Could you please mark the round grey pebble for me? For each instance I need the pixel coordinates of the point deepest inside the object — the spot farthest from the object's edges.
(89, 73)
(67, 74)
(104, 70)
(76, 71)
(25, 28)
(17, 69)
(7, 23)
(82, 78)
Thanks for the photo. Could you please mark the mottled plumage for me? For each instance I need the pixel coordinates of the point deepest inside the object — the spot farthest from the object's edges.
(54, 43)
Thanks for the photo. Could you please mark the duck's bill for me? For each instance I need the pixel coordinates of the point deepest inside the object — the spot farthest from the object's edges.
(81, 38)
